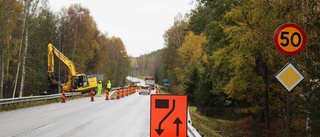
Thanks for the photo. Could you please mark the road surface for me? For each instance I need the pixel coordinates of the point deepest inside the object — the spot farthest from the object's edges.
(125, 117)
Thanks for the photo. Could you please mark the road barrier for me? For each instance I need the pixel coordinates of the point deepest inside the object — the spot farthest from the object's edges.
(157, 90)
(118, 94)
(191, 131)
(122, 93)
(107, 94)
(12, 101)
(63, 97)
(92, 95)
(127, 92)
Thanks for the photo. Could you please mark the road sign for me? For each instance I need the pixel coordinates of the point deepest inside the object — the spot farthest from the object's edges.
(290, 39)
(168, 116)
(289, 76)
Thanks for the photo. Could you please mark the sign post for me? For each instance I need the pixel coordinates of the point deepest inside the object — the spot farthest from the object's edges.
(289, 39)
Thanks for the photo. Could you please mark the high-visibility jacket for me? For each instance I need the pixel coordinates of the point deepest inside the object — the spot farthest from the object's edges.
(109, 85)
(99, 87)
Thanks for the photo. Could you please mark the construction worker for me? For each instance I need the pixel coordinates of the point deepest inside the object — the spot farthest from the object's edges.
(99, 88)
(109, 85)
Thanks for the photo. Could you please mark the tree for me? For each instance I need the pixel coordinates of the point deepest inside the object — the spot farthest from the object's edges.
(173, 38)
(103, 56)
(42, 34)
(308, 12)
(80, 32)
(190, 85)
(252, 59)
(117, 53)
(12, 13)
(189, 55)
(30, 26)
(31, 8)
(207, 19)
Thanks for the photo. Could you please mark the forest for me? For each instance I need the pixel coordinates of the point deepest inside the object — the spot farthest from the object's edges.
(222, 55)
(28, 26)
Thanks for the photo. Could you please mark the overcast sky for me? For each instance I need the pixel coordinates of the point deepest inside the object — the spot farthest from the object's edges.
(139, 23)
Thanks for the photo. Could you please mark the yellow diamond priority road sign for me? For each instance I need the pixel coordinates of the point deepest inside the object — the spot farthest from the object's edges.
(289, 76)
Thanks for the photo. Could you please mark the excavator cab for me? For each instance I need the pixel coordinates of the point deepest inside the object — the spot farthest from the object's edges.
(79, 81)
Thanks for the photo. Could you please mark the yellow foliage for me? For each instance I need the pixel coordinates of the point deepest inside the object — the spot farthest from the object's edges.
(190, 53)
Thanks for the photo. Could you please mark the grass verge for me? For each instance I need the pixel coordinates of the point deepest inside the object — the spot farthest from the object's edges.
(211, 127)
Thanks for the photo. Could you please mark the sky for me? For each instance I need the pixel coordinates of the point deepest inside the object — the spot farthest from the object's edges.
(139, 23)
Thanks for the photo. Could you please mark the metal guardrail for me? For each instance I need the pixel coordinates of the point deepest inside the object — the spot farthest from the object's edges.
(9, 101)
(191, 131)
(35, 98)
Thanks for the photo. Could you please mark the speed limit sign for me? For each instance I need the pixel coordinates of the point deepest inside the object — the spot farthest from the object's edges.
(290, 39)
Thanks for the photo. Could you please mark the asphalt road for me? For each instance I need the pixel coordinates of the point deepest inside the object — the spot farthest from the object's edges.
(125, 117)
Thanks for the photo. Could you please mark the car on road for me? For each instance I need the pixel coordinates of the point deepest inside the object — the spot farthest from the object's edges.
(144, 89)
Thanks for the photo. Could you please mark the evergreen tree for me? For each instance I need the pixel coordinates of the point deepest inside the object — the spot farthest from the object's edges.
(190, 85)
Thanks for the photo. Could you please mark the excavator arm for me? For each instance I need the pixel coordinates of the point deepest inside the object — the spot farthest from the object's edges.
(76, 82)
(52, 51)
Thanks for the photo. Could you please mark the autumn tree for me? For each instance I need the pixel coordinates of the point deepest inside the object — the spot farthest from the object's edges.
(8, 20)
(40, 36)
(103, 56)
(24, 30)
(149, 65)
(207, 20)
(117, 54)
(173, 38)
(307, 16)
(189, 55)
(253, 60)
(30, 26)
(189, 62)
(79, 33)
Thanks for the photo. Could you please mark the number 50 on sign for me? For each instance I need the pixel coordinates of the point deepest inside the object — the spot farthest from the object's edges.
(290, 39)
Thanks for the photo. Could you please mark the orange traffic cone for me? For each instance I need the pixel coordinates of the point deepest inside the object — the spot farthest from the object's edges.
(63, 97)
(127, 92)
(92, 95)
(118, 94)
(107, 94)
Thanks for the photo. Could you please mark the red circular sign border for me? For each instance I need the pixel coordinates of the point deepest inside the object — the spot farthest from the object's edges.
(277, 32)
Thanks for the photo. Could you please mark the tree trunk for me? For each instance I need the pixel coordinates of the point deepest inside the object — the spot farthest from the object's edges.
(267, 111)
(20, 49)
(24, 64)
(2, 73)
(3, 27)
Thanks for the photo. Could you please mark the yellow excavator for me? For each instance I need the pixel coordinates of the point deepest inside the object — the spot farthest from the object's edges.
(76, 82)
